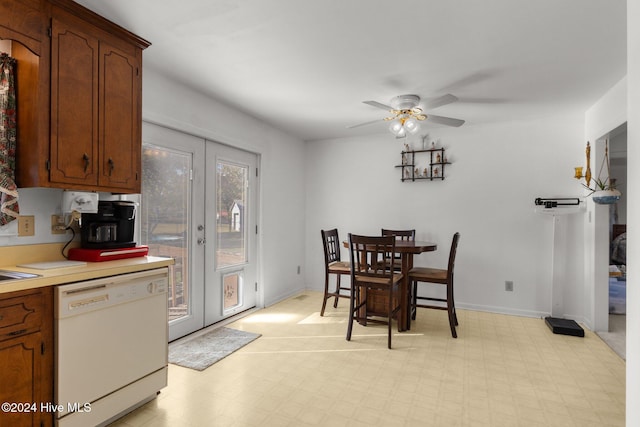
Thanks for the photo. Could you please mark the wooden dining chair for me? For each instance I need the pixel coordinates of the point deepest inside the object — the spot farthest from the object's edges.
(333, 265)
(440, 277)
(371, 273)
(400, 235)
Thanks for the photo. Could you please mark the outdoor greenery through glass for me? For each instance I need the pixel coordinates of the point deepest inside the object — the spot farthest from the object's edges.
(164, 217)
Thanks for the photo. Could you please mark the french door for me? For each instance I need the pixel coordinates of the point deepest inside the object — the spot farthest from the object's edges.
(199, 207)
(230, 205)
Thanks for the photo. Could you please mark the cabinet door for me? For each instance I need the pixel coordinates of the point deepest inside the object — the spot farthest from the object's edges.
(119, 123)
(21, 362)
(74, 105)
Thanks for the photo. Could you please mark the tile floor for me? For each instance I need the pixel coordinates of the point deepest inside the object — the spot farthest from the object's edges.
(501, 371)
(616, 337)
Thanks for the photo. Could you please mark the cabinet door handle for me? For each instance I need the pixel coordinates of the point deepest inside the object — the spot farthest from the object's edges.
(14, 333)
(85, 157)
(111, 165)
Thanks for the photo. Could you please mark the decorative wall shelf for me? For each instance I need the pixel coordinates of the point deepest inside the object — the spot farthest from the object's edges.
(431, 167)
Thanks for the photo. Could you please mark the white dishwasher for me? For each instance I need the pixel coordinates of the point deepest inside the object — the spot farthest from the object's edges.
(111, 346)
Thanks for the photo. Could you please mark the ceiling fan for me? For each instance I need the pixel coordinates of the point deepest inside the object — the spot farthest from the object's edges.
(406, 113)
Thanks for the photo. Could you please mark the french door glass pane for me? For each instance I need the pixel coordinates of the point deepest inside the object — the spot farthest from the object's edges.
(231, 197)
(165, 210)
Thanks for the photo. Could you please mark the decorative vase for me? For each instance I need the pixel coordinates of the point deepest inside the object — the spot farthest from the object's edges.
(606, 197)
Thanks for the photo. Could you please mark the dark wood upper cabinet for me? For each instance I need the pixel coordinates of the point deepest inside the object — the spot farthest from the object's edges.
(81, 129)
(120, 131)
(74, 103)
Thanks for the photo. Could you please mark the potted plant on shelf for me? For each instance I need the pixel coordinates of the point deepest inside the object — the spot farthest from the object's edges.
(603, 191)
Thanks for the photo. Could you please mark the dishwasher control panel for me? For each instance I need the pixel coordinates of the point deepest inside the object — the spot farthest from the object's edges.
(81, 297)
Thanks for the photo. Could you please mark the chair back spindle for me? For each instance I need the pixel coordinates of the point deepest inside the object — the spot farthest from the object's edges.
(333, 266)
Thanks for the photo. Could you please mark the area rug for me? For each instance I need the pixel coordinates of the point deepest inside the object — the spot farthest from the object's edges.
(203, 351)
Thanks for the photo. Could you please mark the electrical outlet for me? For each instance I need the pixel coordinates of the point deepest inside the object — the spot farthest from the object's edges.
(508, 285)
(57, 224)
(26, 225)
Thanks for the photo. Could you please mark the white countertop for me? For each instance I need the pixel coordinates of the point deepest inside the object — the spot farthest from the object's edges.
(92, 270)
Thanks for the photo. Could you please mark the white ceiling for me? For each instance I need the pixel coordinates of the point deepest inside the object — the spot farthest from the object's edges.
(305, 66)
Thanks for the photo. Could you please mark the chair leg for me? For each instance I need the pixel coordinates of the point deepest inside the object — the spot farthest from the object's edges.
(409, 299)
(453, 304)
(389, 317)
(453, 321)
(414, 301)
(326, 291)
(336, 298)
(352, 302)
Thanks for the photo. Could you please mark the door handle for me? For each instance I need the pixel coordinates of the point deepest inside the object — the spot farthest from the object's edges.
(85, 157)
(201, 241)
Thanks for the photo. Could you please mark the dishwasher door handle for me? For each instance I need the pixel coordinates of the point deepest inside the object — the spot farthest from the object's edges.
(87, 289)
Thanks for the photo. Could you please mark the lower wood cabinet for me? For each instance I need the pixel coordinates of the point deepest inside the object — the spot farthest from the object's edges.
(26, 358)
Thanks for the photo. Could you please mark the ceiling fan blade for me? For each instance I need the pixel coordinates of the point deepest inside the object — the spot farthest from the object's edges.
(365, 124)
(440, 101)
(445, 120)
(379, 105)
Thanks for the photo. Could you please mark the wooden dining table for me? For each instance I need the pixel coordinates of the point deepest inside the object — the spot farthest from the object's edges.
(406, 249)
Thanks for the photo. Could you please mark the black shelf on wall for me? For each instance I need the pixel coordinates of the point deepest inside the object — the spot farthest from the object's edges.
(435, 169)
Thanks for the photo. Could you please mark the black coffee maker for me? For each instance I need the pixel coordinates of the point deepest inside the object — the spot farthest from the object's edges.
(112, 227)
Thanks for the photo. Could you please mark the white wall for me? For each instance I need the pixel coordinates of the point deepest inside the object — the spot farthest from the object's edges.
(281, 216)
(488, 196)
(41, 203)
(633, 210)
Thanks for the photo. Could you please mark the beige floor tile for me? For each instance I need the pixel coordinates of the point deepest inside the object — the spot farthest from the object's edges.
(501, 371)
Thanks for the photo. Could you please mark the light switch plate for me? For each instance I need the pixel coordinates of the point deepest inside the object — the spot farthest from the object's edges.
(26, 225)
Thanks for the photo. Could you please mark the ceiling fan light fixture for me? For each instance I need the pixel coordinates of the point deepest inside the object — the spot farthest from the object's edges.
(411, 125)
(403, 125)
(406, 113)
(397, 128)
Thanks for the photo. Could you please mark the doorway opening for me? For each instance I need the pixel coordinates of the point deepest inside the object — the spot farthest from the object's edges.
(616, 305)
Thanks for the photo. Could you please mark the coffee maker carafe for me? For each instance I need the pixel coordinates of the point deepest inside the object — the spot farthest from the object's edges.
(111, 227)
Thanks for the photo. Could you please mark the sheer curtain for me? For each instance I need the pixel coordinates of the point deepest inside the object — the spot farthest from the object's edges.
(8, 132)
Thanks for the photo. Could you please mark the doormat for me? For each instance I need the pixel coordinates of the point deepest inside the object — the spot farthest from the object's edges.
(203, 351)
